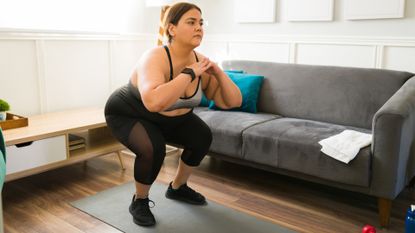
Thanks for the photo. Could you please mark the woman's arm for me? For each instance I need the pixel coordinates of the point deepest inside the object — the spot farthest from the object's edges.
(221, 89)
(157, 94)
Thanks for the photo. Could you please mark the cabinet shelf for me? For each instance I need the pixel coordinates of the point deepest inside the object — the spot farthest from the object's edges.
(95, 147)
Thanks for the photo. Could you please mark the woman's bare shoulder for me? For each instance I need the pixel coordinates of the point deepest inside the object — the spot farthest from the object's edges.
(152, 66)
(153, 53)
(155, 57)
(200, 56)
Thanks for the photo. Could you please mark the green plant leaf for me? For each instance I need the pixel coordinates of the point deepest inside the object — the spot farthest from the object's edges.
(4, 106)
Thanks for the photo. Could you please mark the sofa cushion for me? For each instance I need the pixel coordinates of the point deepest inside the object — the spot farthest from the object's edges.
(340, 95)
(292, 144)
(200, 109)
(227, 129)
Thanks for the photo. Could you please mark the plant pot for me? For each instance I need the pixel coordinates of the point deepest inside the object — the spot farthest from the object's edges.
(3, 116)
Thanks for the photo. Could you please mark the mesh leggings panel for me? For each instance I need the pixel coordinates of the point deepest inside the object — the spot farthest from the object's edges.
(148, 144)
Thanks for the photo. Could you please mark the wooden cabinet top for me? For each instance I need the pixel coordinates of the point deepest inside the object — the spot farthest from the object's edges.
(54, 124)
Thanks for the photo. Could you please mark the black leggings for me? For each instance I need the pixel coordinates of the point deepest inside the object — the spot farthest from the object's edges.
(146, 134)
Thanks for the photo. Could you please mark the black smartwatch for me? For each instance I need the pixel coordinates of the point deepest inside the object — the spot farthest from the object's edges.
(190, 72)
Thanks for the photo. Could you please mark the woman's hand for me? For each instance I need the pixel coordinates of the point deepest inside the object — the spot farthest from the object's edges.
(221, 88)
(200, 67)
(214, 69)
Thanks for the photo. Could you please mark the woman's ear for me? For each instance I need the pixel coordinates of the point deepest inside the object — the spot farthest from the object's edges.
(171, 30)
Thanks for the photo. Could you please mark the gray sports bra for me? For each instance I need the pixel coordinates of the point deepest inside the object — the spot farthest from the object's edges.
(183, 102)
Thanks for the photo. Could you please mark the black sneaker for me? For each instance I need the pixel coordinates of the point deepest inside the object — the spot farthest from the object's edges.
(186, 194)
(140, 210)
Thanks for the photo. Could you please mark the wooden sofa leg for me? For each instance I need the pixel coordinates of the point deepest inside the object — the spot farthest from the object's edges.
(385, 206)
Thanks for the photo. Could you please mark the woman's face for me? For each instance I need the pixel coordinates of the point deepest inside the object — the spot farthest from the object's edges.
(189, 29)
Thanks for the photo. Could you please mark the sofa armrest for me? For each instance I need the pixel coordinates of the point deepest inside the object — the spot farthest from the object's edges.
(393, 142)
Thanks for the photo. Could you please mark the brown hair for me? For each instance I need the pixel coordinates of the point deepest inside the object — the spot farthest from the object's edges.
(175, 13)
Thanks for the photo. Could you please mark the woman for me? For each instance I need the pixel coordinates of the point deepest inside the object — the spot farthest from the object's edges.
(156, 107)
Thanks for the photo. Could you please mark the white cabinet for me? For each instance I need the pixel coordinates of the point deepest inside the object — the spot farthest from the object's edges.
(38, 153)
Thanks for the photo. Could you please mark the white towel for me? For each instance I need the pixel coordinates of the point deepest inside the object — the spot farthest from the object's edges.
(345, 145)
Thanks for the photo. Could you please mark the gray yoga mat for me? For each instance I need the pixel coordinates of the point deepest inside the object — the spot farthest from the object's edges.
(111, 206)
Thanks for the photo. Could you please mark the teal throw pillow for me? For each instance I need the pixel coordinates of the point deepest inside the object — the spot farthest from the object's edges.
(204, 102)
(250, 86)
(234, 71)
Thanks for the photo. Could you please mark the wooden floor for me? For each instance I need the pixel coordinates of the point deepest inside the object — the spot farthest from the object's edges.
(40, 203)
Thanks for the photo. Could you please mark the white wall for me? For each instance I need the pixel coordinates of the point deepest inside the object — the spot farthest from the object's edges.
(220, 15)
(44, 73)
(137, 18)
(78, 16)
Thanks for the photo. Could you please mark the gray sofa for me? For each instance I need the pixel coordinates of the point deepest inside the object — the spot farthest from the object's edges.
(300, 105)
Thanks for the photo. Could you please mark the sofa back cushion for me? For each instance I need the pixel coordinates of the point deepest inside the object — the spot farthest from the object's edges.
(340, 95)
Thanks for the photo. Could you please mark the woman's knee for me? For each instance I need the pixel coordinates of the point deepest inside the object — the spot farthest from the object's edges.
(208, 137)
(203, 140)
(149, 159)
(196, 151)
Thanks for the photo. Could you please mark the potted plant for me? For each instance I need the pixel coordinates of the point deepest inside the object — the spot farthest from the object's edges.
(4, 106)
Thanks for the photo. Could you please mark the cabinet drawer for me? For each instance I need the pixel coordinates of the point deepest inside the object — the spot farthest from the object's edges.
(38, 153)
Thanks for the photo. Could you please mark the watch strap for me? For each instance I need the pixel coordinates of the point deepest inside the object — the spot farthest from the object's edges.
(190, 72)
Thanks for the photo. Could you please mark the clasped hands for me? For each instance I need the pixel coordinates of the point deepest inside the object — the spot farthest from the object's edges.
(205, 66)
